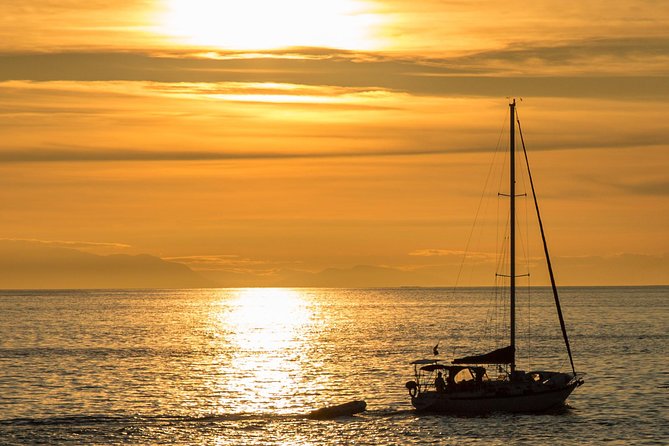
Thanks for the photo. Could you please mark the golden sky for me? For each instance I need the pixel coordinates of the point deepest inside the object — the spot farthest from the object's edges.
(337, 142)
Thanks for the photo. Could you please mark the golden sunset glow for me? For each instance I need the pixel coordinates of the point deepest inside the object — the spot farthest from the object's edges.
(278, 221)
(323, 143)
(263, 25)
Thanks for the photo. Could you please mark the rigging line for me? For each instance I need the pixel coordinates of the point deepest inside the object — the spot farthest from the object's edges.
(503, 284)
(529, 325)
(502, 247)
(525, 242)
(500, 227)
(524, 245)
(548, 260)
(497, 299)
(471, 232)
(529, 278)
(493, 301)
(501, 287)
(524, 248)
(489, 330)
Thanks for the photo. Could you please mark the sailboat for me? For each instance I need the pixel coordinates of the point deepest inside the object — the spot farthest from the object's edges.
(464, 385)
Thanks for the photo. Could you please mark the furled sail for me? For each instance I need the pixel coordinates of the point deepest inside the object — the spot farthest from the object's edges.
(500, 356)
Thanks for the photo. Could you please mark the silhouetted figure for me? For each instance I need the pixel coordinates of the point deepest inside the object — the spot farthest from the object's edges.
(451, 381)
(439, 383)
(435, 350)
(478, 373)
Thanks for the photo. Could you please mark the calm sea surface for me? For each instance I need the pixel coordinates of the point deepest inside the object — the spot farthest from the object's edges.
(242, 366)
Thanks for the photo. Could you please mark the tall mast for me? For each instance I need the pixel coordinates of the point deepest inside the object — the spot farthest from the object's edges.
(512, 224)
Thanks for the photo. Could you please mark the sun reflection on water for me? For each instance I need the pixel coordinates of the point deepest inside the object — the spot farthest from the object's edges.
(268, 334)
(268, 319)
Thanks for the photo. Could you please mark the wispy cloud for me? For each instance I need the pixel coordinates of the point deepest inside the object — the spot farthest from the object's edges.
(649, 187)
(570, 69)
(75, 244)
(432, 252)
(435, 252)
(97, 155)
(629, 56)
(230, 263)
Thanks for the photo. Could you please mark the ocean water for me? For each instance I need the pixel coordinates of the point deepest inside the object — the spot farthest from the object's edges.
(242, 366)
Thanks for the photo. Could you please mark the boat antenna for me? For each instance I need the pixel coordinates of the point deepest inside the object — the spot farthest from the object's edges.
(548, 259)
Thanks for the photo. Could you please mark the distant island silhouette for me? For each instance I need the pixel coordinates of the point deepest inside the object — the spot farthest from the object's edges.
(26, 265)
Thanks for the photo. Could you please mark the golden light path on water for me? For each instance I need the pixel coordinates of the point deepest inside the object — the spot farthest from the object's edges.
(236, 366)
(267, 332)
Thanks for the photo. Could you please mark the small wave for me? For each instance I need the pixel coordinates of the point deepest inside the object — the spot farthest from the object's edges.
(67, 420)
(98, 352)
(80, 420)
(386, 413)
(83, 420)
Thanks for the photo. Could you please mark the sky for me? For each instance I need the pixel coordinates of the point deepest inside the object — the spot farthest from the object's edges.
(329, 143)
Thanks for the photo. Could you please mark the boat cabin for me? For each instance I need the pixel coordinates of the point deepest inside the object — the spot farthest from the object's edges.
(426, 373)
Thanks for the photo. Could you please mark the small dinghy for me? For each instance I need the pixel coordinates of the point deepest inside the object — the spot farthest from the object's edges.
(341, 410)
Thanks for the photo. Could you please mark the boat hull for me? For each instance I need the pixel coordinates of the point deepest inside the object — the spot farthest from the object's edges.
(474, 403)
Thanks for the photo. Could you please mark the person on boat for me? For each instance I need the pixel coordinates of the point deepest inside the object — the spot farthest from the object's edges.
(451, 380)
(478, 375)
(439, 383)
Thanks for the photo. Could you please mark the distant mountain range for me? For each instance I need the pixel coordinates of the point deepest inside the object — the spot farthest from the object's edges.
(26, 264)
(34, 266)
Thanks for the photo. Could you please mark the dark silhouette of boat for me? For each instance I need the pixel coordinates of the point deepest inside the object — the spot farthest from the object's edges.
(468, 388)
(340, 410)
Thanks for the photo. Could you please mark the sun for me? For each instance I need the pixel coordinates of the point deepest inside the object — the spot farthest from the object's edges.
(271, 24)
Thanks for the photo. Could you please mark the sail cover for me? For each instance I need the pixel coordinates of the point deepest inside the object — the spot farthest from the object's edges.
(500, 356)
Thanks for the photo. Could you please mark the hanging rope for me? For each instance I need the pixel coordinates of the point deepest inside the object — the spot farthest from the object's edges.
(492, 316)
(478, 211)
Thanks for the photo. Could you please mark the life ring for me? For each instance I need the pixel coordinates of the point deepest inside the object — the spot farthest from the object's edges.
(413, 388)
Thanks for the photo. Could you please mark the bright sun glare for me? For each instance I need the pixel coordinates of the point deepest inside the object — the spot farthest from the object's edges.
(268, 330)
(271, 24)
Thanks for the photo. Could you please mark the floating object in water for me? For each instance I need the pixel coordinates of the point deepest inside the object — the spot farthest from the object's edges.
(341, 410)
